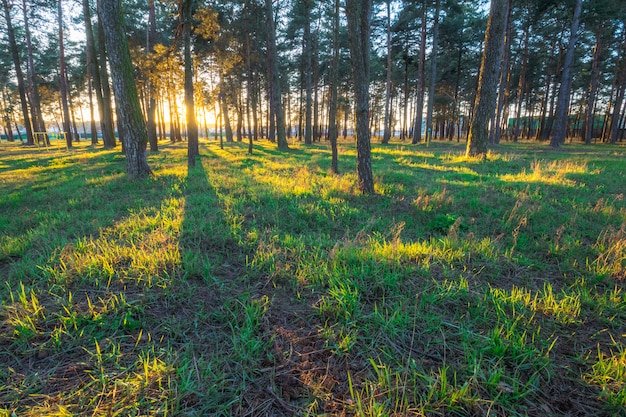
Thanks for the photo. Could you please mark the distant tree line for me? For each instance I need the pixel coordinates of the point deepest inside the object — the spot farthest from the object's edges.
(307, 69)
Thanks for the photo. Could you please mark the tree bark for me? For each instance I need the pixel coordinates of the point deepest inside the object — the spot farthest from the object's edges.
(131, 122)
(485, 104)
(358, 14)
(593, 85)
(433, 75)
(387, 127)
(108, 129)
(190, 111)
(334, 81)
(274, 76)
(15, 55)
(421, 75)
(37, 116)
(308, 74)
(151, 111)
(561, 122)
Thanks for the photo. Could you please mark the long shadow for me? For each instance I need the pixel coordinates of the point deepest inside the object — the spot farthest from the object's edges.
(74, 209)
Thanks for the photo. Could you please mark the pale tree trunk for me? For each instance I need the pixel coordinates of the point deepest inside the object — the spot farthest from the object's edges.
(561, 122)
(358, 14)
(485, 104)
(131, 122)
(15, 55)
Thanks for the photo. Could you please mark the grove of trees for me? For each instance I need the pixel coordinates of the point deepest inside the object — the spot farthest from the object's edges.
(310, 70)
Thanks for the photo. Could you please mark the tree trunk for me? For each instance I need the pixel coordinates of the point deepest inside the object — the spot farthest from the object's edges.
(37, 117)
(190, 111)
(151, 110)
(485, 104)
(224, 112)
(521, 85)
(560, 124)
(358, 13)
(334, 81)
(275, 91)
(593, 85)
(15, 55)
(421, 75)
(308, 73)
(387, 127)
(131, 122)
(108, 128)
(433, 75)
(496, 129)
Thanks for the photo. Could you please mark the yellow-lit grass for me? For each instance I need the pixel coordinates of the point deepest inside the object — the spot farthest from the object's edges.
(551, 172)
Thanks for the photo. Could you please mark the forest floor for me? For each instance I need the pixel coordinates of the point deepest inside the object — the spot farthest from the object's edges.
(265, 285)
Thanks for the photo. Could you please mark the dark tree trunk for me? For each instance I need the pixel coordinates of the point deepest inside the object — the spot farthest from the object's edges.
(15, 55)
(433, 75)
(131, 122)
(37, 117)
(358, 14)
(421, 75)
(496, 129)
(307, 72)
(334, 81)
(224, 112)
(274, 76)
(593, 85)
(561, 122)
(108, 128)
(387, 127)
(485, 104)
(521, 85)
(190, 111)
(151, 111)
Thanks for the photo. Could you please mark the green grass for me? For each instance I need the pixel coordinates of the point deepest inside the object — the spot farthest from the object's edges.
(265, 285)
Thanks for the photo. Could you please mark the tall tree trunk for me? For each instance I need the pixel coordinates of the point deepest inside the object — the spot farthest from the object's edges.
(131, 122)
(15, 55)
(485, 104)
(387, 127)
(593, 85)
(190, 111)
(275, 90)
(63, 80)
(358, 14)
(560, 124)
(334, 81)
(307, 71)
(496, 128)
(108, 127)
(421, 75)
(37, 116)
(151, 111)
(521, 85)
(224, 112)
(433, 75)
